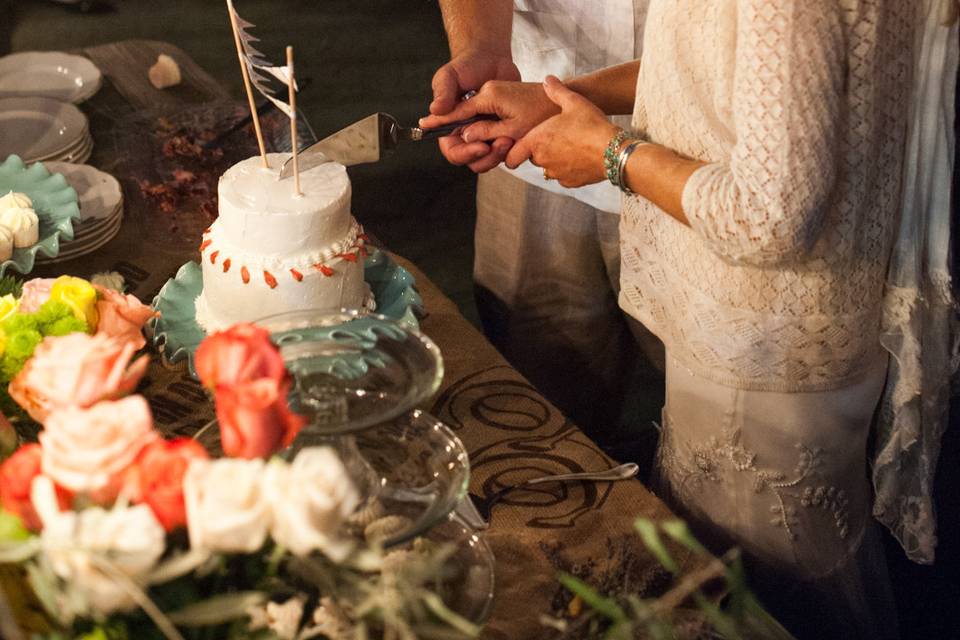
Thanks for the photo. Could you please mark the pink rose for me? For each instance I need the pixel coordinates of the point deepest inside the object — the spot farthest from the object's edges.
(90, 450)
(76, 370)
(122, 316)
(16, 478)
(35, 293)
(255, 421)
(158, 476)
(240, 354)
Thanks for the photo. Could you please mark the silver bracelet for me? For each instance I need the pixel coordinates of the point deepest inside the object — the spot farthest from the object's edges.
(622, 160)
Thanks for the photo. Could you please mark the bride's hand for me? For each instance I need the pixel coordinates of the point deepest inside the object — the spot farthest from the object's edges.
(569, 146)
(520, 106)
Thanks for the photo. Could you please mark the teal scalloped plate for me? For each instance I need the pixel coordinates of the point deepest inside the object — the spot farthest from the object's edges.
(176, 334)
(55, 202)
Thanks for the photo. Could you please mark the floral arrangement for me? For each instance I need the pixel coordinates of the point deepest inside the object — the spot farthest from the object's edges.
(47, 307)
(120, 533)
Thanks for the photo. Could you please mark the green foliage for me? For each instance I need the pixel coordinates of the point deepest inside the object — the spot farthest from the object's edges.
(11, 528)
(685, 611)
(22, 332)
(11, 285)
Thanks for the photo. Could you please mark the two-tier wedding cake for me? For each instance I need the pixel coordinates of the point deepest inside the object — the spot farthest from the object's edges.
(272, 251)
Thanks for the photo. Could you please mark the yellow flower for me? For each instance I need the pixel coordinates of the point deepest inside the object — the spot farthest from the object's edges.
(8, 306)
(79, 295)
(3, 341)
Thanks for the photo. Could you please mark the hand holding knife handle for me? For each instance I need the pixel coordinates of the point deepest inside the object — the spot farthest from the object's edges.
(417, 133)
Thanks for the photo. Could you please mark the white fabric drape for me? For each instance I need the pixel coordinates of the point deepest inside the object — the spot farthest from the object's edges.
(920, 312)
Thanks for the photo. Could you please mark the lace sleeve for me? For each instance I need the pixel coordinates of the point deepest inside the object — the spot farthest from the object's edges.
(766, 203)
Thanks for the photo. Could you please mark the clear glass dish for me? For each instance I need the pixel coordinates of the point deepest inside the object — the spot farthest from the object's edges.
(412, 472)
(352, 369)
(468, 586)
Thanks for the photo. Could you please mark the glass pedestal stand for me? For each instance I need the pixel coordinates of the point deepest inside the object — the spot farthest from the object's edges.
(357, 377)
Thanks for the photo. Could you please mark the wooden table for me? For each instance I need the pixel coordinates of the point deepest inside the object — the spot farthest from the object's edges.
(510, 430)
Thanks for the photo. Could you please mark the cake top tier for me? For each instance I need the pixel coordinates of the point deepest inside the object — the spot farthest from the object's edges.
(259, 213)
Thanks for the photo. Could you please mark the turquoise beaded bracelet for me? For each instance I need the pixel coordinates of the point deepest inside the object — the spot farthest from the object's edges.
(611, 157)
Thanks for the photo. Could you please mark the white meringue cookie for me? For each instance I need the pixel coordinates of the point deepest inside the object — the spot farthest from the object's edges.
(15, 199)
(6, 243)
(23, 223)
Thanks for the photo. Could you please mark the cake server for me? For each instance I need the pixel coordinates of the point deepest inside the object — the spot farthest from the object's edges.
(366, 140)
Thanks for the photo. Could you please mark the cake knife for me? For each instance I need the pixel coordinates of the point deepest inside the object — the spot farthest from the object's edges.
(366, 140)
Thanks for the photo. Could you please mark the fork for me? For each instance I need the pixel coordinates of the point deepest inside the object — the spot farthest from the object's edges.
(477, 509)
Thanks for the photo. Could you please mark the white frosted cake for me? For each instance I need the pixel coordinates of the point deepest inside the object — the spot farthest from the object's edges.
(271, 251)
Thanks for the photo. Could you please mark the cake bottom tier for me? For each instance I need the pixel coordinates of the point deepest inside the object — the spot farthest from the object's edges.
(245, 295)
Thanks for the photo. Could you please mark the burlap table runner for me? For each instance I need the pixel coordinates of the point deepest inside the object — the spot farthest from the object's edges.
(510, 430)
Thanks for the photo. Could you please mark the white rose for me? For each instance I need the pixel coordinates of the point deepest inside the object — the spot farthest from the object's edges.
(96, 551)
(226, 510)
(309, 500)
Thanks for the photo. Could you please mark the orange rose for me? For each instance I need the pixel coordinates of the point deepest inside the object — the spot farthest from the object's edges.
(158, 477)
(255, 421)
(75, 370)
(240, 354)
(16, 478)
(246, 373)
(122, 316)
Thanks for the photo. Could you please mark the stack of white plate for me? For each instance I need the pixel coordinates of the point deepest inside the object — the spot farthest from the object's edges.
(48, 74)
(101, 210)
(43, 129)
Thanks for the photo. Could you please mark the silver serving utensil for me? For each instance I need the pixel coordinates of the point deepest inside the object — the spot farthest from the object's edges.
(481, 507)
(366, 140)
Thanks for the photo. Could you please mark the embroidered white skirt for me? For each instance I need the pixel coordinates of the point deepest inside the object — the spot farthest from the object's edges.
(784, 477)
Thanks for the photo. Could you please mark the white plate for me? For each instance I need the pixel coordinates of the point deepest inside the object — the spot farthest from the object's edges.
(50, 74)
(84, 140)
(85, 233)
(75, 155)
(92, 228)
(99, 192)
(39, 127)
(73, 145)
(72, 252)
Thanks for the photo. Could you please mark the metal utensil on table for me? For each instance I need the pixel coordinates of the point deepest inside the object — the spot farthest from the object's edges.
(366, 141)
(476, 510)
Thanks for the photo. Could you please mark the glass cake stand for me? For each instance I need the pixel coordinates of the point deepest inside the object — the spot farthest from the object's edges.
(356, 379)
(411, 471)
(353, 369)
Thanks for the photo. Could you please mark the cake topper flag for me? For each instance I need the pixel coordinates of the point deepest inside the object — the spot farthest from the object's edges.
(255, 70)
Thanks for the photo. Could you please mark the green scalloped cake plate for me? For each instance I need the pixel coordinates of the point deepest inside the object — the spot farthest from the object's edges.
(55, 202)
(176, 334)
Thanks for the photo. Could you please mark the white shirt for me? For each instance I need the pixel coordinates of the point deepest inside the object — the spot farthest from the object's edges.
(568, 38)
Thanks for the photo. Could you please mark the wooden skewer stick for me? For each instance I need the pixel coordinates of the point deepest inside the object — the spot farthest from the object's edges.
(291, 85)
(246, 83)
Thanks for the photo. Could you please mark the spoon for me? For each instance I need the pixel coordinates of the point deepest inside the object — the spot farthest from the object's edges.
(484, 505)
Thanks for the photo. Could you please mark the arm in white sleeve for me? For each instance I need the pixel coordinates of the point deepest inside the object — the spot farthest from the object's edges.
(766, 204)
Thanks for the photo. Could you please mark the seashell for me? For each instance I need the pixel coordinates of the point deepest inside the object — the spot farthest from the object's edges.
(165, 72)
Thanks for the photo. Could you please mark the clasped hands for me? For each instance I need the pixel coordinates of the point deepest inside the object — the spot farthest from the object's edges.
(546, 123)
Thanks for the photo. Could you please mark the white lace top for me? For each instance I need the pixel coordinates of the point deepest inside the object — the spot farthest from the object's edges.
(799, 107)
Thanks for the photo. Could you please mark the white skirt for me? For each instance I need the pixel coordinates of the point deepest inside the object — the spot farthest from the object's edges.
(784, 477)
